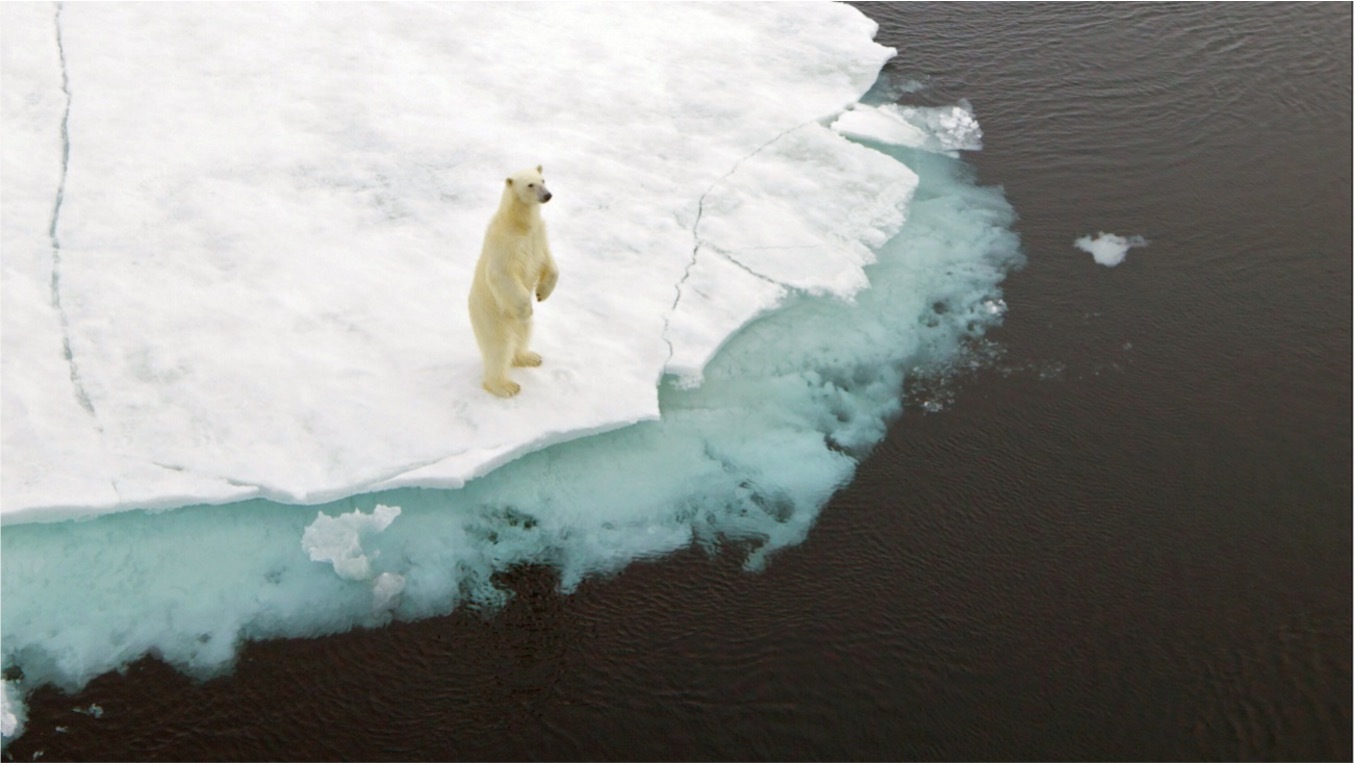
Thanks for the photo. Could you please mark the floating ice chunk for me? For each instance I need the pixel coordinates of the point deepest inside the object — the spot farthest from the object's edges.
(954, 127)
(882, 124)
(945, 129)
(1109, 249)
(339, 540)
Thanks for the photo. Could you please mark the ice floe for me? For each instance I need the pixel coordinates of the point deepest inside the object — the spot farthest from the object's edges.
(238, 238)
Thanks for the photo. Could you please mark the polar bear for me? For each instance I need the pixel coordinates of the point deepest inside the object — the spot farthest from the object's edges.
(515, 263)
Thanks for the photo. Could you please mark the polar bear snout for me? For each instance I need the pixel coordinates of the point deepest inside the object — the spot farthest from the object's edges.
(542, 194)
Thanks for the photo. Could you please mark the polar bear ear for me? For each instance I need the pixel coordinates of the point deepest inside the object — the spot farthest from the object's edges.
(539, 170)
(508, 181)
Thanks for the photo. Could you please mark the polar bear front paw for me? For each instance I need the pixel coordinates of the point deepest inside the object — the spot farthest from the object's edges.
(504, 388)
(527, 359)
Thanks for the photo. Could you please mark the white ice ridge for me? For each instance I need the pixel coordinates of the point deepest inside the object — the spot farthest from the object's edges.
(245, 273)
(1109, 249)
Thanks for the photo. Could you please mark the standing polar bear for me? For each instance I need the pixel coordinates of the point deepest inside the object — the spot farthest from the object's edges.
(515, 263)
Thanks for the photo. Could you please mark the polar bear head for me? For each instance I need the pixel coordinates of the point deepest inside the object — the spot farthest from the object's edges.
(529, 186)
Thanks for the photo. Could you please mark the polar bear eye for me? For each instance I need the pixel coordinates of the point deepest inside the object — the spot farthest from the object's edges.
(531, 186)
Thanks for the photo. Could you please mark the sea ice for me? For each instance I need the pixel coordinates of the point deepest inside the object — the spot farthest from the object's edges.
(259, 266)
(948, 129)
(269, 215)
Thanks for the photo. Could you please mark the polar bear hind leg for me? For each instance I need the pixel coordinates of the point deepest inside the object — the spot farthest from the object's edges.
(497, 344)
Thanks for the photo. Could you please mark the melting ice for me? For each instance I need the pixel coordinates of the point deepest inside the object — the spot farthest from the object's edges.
(236, 295)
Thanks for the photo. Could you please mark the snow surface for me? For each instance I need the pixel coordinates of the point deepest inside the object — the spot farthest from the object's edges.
(269, 293)
(248, 277)
(1109, 249)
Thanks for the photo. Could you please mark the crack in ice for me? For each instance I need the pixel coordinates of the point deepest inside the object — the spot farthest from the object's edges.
(697, 239)
(225, 479)
(749, 269)
(81, 395)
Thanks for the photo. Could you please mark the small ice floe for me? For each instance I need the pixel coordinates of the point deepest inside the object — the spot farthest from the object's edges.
(1109, 249)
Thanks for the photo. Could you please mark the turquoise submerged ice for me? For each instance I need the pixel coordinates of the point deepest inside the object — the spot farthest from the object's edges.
(755, 431)
(786, 409)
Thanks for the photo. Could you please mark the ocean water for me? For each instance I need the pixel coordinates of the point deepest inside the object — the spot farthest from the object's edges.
(1118, 528)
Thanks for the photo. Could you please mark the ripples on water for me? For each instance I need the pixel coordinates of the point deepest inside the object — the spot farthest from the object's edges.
(1131, 78)
(1193, 455)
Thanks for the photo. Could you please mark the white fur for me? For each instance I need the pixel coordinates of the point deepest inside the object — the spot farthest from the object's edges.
(515, 264)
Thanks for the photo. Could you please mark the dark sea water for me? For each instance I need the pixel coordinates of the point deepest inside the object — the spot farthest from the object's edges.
(1125, 535)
